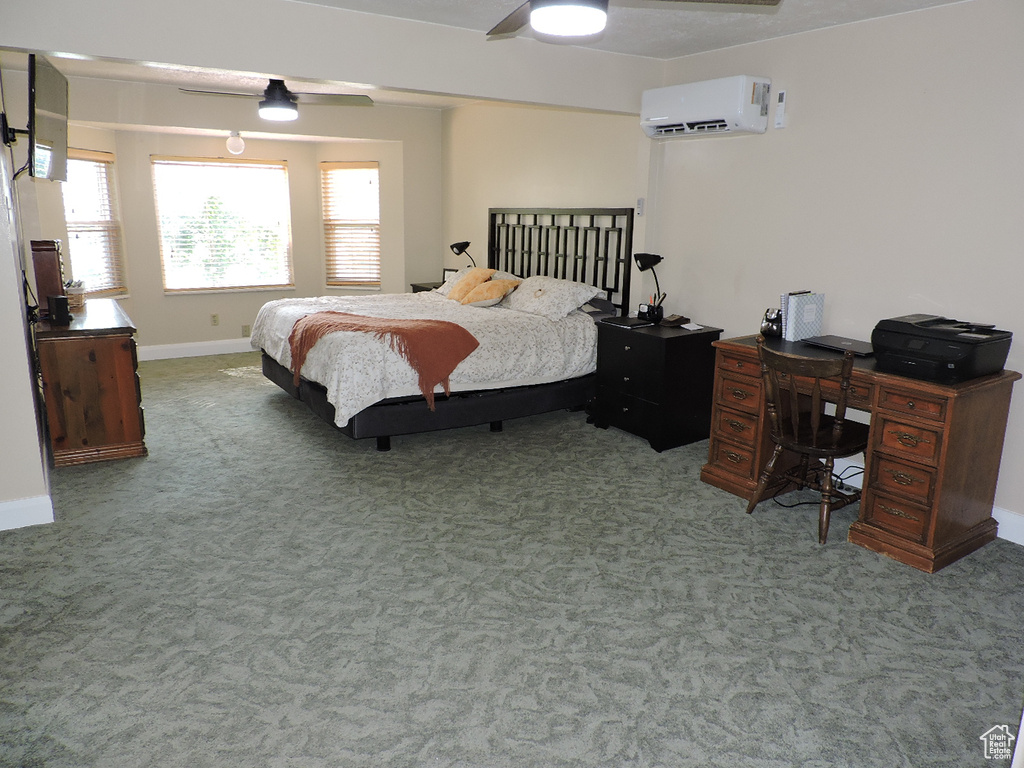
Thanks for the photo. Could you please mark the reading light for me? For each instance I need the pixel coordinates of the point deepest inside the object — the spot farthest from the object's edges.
(279, 103)
(647, 261)
(460, 248)
(235, 144)
(568, 18)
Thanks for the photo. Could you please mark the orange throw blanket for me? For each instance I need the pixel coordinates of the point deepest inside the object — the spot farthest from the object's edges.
(433, 348)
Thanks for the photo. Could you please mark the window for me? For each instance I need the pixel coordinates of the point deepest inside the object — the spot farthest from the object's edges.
(94, 231)
(351, 210)
(223, 223)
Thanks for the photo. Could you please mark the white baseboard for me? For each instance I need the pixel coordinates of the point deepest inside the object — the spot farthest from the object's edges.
(194, 349)
(20, 513)
(1011, 524)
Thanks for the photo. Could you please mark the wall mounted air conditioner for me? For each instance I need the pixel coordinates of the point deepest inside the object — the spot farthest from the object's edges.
(727, 105)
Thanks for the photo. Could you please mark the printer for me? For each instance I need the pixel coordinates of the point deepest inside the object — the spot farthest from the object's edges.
(939, 349)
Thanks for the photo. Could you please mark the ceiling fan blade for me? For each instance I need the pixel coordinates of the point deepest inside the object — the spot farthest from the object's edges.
(221, 93)
(335, 99)
(728, 2)
(512, 23)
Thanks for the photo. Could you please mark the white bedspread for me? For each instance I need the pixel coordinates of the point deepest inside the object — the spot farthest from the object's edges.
(516, 348)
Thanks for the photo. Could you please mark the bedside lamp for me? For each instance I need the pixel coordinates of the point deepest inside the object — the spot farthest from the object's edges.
(645, 261)
(460, 248)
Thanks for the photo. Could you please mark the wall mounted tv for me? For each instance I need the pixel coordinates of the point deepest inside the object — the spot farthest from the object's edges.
(47, 120)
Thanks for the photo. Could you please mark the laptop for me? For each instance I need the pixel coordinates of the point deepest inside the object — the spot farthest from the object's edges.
(840, 344)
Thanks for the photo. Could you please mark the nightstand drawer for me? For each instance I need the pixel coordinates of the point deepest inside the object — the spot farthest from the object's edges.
(633, 414)
(632, 363)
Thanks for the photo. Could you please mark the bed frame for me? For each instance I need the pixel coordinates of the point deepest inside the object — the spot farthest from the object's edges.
(588, 245)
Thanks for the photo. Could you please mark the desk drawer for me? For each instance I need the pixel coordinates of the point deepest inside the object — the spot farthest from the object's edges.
(911, 441)
(908, 520)
(736, 426)
(738, 392)
(917, 403)
(729, 362)
(734, 458)
(914, 482)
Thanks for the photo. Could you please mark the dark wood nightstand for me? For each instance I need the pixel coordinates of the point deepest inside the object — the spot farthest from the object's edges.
(656, 382)
(418, 287)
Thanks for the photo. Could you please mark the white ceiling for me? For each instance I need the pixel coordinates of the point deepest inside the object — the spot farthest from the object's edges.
(648, 28)
(655, 28)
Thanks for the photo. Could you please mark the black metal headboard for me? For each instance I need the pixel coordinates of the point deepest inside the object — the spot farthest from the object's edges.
(588, 245)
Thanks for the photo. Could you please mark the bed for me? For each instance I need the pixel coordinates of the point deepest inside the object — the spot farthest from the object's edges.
(531, 359)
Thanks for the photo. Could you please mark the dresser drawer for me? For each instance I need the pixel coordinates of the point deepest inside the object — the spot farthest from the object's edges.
(918, 404)
(732, 458)
(736, 426)
(914, 482)
(910, 441)
(889, 513)
(738, 392)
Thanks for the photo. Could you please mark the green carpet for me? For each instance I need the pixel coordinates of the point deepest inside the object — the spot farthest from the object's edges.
(263, 591)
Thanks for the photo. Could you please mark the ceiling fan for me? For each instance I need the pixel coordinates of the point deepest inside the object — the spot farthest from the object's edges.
(575, 18)
(279, 103)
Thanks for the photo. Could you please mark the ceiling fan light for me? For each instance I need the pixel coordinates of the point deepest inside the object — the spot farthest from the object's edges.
(235, 143)
(568, 18)
(279, 111)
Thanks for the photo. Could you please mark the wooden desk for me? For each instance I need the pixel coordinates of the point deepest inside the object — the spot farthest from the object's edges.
(932, 461)
(90, 385)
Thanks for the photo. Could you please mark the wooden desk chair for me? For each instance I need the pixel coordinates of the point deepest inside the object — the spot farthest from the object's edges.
(802, 431)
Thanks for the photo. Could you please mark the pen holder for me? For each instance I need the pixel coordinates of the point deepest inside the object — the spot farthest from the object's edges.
(651, 312)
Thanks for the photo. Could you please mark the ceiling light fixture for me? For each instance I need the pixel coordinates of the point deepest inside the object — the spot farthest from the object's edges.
(278, 103)
(236, 145)
(568, 18)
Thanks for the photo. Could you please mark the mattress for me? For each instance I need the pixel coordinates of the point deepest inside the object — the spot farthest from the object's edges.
(357, 369)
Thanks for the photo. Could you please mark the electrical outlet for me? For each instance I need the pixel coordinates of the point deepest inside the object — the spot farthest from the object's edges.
(214, 319)
(246, 330)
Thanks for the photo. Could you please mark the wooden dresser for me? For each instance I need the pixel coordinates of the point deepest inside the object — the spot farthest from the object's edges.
(932, 461)
(91, 386)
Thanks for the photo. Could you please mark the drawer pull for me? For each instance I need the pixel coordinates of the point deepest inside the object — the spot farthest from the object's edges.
(739, 394)
(625, 378)
(899, 513)
(736, 426)
(627, 347)
(625, 409)
(734, 457)
(902, 478)
(907, 439)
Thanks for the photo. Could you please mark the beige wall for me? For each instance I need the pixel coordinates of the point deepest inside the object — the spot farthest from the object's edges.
(500, 155)
(896, 187)
(23, 485)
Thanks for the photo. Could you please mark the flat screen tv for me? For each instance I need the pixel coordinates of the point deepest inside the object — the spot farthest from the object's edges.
(47, 120)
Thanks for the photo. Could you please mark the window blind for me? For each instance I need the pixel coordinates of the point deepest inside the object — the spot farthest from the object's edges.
(93, 224)
(351, 213)
(224, 224)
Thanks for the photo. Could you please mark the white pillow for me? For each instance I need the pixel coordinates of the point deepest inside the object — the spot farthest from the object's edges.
(550, 297)
(445, 288)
